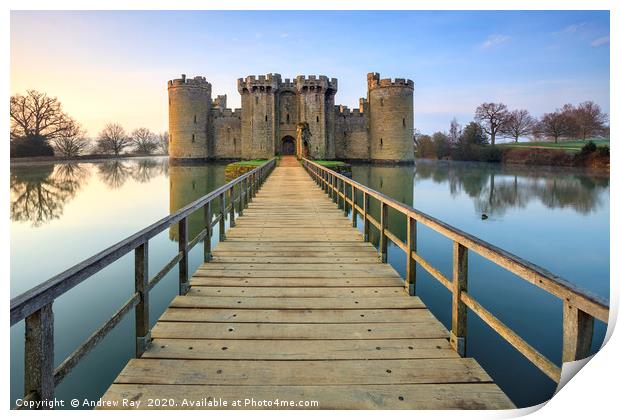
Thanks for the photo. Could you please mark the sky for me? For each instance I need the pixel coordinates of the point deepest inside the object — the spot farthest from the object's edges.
(113, 66)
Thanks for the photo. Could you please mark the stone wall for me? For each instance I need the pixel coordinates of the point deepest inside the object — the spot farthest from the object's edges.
(351, 134)
(227, 134)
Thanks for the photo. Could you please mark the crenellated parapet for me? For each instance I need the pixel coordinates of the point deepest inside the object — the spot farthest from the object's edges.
(264, 82)
(313, 82)
(198, 82)
(227, 113)
(375, 81)
(345, 111)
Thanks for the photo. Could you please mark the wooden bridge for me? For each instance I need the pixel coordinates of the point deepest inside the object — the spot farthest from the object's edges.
(296, 306)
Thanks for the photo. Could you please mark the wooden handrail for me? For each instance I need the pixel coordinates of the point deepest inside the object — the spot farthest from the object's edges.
(35, 305)
(580, 306)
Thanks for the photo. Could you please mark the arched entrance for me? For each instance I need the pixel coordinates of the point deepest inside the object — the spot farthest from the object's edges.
(288, 146)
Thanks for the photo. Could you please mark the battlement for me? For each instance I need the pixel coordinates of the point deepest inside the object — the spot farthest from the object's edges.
(313, 82)
(269, 81)
(198, 82)
(375, 81)
(228, 112)
(344, 111)
(220, 102)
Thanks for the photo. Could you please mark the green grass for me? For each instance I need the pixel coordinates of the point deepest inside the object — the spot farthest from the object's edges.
(568, 145)
(329, 163)
(255, 162)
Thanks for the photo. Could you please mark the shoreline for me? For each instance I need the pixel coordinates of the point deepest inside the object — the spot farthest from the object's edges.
(41, 160)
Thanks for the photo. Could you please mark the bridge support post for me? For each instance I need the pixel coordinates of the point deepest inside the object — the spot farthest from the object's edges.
(459, 309)
(39, 354)
(208, 219)
(383, 238)
(143, 330)
(184, 261)
(578, 328)
(412, 228)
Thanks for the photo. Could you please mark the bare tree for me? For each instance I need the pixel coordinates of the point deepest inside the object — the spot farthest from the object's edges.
(556, 124)
(36, 116)
(492, 117)
(163, 142)
(519, 123)
(73, 143)
(455, 132)
(143, 140)
(113, 139)
(589, 119)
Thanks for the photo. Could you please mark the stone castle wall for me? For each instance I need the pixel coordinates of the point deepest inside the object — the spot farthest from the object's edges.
(381, 129)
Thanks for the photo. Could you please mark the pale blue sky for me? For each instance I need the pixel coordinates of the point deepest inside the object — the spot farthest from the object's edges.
(113, 66)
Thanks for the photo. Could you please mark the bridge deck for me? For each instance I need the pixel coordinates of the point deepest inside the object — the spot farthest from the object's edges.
(296, 306)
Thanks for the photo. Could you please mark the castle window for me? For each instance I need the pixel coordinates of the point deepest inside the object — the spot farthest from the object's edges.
(381, 101)
(257, 99)
(381, 142)
(194, 119)
(404, 124)
(345, 134)
(317, 118)
(265, 118)
(288, 118)
(193, 137)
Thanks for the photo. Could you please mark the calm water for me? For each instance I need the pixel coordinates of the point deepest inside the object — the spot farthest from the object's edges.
(64, 213)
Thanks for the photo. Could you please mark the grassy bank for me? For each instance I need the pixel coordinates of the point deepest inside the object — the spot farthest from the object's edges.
(567, 145)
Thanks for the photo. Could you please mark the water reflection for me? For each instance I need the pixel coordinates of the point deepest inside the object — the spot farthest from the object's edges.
(493, 188)
(39, 192)
(189, 183)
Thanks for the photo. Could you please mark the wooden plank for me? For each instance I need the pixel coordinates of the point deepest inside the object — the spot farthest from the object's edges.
(296, 281)
(331, 267)
(404, 302)
(352, 274)
(301, 259)
(299, 316)
(291, 292)
(480, 396)
(291, 373)
(273, 331)
(300, 349)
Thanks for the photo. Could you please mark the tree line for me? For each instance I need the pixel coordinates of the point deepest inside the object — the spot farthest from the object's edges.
(40, 127)
(495, 120)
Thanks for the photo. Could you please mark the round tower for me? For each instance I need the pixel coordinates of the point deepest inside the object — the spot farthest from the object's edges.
(189, 107)
(390, 104)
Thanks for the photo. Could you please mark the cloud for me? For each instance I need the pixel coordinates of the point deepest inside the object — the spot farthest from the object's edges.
(494, 40)
(604, 40)
(571, 29)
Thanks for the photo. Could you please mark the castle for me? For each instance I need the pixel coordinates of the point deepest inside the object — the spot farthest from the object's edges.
(294, 117)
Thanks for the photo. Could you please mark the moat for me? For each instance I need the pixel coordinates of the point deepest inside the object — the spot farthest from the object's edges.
(558, 219)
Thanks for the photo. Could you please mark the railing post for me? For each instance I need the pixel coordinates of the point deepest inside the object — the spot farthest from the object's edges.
(412, 237)
(578, 328)
(240, 194)
(143, 330)
(366, 200)
(383, 236)
(232, 206)
(39, 354)
(223, 216)
(184, 261)
(208, 218)
(329, 185)
(246, 189)
(353, 208)
(459, 310)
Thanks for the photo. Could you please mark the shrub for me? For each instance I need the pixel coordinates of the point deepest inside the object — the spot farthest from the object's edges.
(603, 151)
(29, 148)
(588, 148)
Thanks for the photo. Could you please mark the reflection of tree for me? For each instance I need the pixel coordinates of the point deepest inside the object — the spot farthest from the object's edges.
(495, 189)
(38, 194)
(114, 173)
